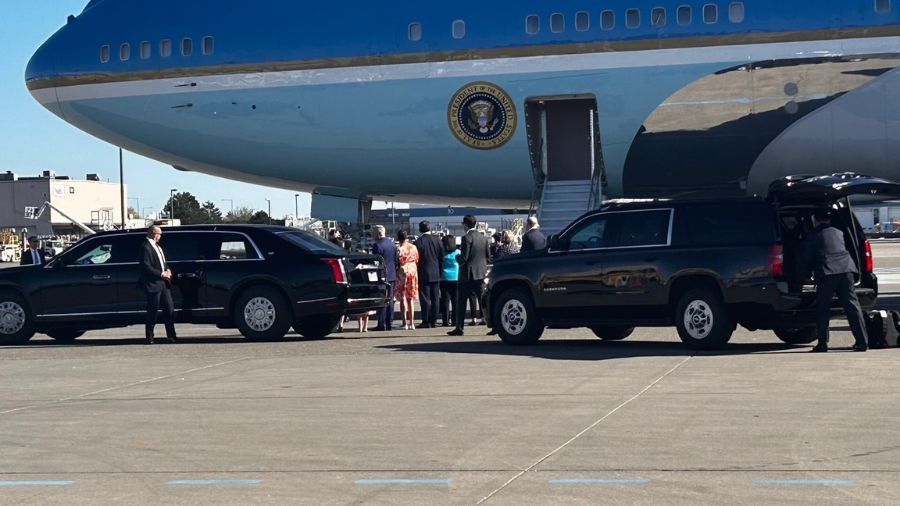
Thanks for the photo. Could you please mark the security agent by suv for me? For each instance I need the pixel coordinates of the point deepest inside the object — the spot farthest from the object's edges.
(261, 280)
(704, 266)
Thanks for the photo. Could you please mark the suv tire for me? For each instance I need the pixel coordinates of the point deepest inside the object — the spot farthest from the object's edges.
(515, 318)
(16, 321)
(261, 314)
(316, 327)
(612, 332)
(702, 320)
(65, 335)
(802, 335)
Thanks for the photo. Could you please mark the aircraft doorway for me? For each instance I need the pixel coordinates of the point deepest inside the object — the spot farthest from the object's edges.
(564, 138)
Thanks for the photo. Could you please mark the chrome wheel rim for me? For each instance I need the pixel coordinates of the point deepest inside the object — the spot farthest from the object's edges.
(12, 318)
(698, 319)
(513, 317)
(259, 314)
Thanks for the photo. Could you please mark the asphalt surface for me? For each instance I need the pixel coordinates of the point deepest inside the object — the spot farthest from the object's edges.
(418, 417)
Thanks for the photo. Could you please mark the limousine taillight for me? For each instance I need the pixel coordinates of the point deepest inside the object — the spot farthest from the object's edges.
(337, 269)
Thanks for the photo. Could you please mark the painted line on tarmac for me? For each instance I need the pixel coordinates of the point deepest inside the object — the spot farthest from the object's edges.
(36, 483)
(439, 481)
(589, 427)
(120, 387)
(831, 483)
(213, 482)
(599, 481)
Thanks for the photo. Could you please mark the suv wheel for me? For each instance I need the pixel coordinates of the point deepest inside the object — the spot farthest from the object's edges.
(612, 332)
(515, 318)
(702, 321)
(803, 335)
(317, 327)
(261, 314)
(65, 335)
(16, 324)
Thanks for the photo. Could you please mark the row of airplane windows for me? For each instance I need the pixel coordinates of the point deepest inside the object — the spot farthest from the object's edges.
(684, 16)
(207, 47)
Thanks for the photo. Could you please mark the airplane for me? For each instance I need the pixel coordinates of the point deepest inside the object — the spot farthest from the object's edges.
(485, 102)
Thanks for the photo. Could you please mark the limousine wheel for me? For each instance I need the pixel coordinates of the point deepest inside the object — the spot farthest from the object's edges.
(515, 318)
(702, 320)
(316, 327)
(612, 332)
(16, 324)
(65, 335)
(803, 335)
(262, 314)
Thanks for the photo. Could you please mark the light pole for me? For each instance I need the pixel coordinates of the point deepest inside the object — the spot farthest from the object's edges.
(172, 203)
(269, 203)
(296, 207)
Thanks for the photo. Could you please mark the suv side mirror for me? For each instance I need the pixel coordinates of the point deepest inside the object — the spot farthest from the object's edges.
(555, 243)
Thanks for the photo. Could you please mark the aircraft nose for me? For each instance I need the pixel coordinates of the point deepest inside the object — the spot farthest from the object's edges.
(41, 73)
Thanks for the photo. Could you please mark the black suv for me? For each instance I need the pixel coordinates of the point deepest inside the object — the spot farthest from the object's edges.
(259, 279)
(703, 265)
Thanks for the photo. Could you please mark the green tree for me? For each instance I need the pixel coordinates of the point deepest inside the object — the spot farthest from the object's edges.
(240, 215)
(260, 218)
(133, 212)
(211, 213)
(187, 209)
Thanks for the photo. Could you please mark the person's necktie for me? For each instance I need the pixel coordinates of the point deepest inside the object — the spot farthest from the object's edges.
(34, 257)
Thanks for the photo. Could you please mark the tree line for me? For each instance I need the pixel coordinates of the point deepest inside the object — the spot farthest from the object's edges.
(191, 212)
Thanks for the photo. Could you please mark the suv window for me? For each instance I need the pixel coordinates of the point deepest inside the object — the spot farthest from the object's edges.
(182, 246)
(638, 228)
(588, 234)
(234, 247)
(715, 225)
(108, 250)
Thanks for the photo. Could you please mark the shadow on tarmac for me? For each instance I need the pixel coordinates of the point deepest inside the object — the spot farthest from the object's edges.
(589, 349)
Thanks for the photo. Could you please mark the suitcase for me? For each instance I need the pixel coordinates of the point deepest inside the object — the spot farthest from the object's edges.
(883, 328)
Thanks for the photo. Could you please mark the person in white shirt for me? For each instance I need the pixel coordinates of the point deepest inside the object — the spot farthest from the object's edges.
(154, 280)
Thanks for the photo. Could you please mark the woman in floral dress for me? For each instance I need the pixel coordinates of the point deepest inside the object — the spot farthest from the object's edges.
(408, 279)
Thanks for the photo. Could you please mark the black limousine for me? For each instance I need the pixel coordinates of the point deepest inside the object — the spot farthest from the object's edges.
(259, 279)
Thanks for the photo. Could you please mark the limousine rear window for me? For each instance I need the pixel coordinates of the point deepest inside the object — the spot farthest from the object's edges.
(312, 243)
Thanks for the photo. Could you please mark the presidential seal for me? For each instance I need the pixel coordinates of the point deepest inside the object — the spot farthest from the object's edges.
(482, 116)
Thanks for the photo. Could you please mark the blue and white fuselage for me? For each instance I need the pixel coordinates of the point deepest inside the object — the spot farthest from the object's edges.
(355, 98)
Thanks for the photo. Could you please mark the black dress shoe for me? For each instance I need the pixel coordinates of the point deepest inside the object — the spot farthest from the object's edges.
(860, 347)
(492, 332)
(148, 340)
(377, 329)
(819, 349)
(173, 339)
(455, 332)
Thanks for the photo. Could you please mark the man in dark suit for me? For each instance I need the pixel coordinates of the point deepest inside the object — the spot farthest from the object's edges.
(155, 279)
(388, 251)
(533, 239)
(473, 261)
(431, 255)
(33, 255)
(826, 254)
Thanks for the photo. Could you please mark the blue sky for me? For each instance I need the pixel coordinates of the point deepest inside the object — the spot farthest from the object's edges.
(32, 139)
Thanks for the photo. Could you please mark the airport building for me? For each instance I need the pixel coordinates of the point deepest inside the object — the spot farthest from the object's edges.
(91, 202)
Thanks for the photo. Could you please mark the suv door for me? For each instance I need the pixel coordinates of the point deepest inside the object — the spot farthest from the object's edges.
(89, 280)
(634, 251)
(569, 276)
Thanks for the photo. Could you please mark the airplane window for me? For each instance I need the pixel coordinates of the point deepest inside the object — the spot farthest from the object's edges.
(104, 54)
(632, 18)
(557, 23)
(209, 45)
(607, 20)
(658, 16)
(532, 24)
(710, 13)
(415, 31)
(459, 29)
(125, 51)
(736, 12)
(684, 15)
(582, 21)
(145, 50)
(187, 46)
(165, 48)
(882, 6)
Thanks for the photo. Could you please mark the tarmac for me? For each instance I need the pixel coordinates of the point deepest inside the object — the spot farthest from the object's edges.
(418, 417)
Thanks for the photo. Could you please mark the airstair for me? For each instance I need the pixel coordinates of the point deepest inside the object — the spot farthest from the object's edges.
(562, 202)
